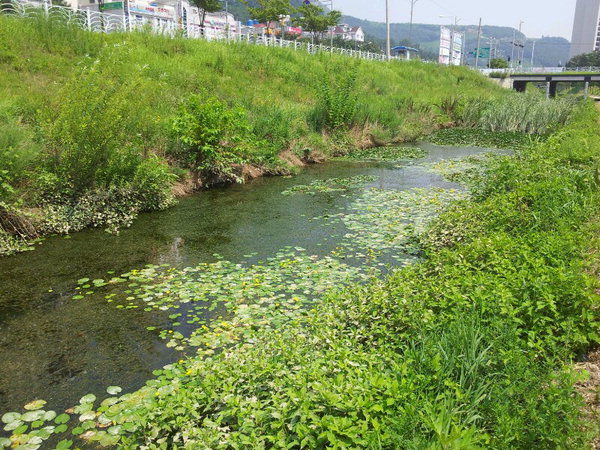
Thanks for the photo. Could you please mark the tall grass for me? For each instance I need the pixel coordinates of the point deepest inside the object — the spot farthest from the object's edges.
(527, 113)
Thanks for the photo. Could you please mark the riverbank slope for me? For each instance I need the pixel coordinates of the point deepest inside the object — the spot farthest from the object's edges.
(96, 128)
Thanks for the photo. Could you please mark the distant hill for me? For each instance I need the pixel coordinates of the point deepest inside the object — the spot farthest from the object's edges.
(549, 51)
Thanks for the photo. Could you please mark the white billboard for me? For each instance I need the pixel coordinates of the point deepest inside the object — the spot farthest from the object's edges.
(451, 47)
(445, 43)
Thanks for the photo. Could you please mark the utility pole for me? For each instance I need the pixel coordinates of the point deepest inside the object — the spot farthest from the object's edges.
(463, 58)
(227, 18)
(512, 52)
(388, 47)
(521, 50)
(412, 10)
(332, 31)
(478, 45)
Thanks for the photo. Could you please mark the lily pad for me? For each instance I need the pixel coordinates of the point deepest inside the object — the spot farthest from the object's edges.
(13, 425)
(87, 416)
(62, 418)
(36, 404)
(10, 417)
(49, 415)
(60, 429)
(113, 390)
(64, 444)
(32, 416)
(90, 398)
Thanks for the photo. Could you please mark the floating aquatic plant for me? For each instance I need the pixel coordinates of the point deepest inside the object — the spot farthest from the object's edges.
(330, 185)
(385, 154)
(215, 306)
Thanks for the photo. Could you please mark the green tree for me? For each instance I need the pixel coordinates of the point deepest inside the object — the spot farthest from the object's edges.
(498, 63)
(267, 11)
(585, 60)
(207, 6)
(313, 20)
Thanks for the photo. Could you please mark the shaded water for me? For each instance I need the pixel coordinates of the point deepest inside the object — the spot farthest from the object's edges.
(58, 349)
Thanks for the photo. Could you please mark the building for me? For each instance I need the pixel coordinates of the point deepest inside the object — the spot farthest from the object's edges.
(586, 27)
(348, 33)
(165, 16)
(404, 52)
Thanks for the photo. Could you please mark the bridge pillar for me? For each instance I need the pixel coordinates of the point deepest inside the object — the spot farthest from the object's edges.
(551, 89)
(520, 86)
(586, 87)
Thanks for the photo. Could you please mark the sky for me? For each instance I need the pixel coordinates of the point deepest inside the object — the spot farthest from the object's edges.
(540, 17)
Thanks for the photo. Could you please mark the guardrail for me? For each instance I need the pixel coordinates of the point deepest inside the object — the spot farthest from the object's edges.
(110, 22)
(487, 71)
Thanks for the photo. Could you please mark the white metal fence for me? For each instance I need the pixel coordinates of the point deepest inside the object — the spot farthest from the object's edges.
(540, 70)
(121, 21)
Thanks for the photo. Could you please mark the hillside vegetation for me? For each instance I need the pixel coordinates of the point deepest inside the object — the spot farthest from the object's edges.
(88, 135)
(549, 51)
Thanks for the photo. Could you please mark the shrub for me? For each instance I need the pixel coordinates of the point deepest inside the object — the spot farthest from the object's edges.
(213, 136)
(97, 134)
(152, 184)
(113, 208)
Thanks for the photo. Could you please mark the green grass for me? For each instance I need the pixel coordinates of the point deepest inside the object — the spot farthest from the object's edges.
(464, 350)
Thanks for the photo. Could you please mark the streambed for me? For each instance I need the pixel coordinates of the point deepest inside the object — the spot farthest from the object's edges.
(58, 348)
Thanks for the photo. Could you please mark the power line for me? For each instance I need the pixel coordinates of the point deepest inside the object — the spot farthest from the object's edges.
(443, 7)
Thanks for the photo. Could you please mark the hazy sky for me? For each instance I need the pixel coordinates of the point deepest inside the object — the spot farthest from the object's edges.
(541, 17)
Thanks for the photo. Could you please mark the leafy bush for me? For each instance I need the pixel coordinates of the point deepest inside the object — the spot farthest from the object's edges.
(18, 154)
(213, 136)
(113, 208)
(97, 134)
(152, 185)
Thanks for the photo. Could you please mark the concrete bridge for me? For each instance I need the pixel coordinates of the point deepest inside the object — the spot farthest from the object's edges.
(520, 81)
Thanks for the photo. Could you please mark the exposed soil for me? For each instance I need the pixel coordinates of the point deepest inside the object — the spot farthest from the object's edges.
(291, 158)
(590, 388)
(590, 391)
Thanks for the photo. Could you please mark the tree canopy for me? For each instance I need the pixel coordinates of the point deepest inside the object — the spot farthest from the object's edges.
(313, 20)
(499, 63)
(585, 60)
(267, 11)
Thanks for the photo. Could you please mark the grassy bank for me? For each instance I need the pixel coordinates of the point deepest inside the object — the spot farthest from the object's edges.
(96, 128)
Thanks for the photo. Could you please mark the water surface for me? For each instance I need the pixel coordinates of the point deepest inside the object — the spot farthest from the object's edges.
(58, 349)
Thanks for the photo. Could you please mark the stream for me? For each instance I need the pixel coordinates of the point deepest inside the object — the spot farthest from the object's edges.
(58, 349)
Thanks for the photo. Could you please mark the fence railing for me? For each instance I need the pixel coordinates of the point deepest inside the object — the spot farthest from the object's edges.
(121, 21)
(487, 71)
